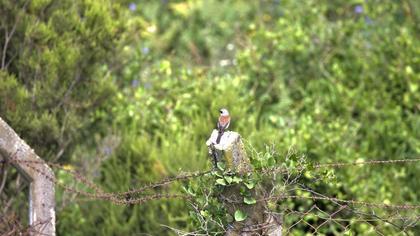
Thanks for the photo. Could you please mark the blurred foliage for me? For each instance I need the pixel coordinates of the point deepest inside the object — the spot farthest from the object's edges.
(336, 80)
(52, 80)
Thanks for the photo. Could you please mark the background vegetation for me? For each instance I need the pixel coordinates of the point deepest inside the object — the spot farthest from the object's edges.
(128, 92)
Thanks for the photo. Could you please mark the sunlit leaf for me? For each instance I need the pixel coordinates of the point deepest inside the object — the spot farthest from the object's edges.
(240, 215)
(221, 181)
(249, 200)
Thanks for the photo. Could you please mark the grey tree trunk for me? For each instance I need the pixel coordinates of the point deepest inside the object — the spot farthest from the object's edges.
(231, 151)
(41, 194)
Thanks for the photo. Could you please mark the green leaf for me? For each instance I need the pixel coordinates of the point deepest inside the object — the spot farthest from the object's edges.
(237, 179)
(221, 166)
(204, 213)
(240, 215)
(189, 190)
(228, 179)
(249, 200)
(201, 200)
(271, 162)
(229, 218)
(217, 173)
(249, 185)
(221, 182)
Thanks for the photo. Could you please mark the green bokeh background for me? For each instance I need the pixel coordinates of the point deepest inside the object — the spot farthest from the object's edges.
(128, 92)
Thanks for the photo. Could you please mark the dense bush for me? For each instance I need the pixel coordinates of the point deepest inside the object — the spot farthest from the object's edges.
(132, 90)
(52, 80)
(52, 77)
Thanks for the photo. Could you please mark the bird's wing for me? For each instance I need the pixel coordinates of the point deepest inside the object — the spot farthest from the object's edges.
(227, 125)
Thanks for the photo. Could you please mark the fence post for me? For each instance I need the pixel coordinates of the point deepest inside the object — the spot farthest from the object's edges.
(231, 151)
(41, 194)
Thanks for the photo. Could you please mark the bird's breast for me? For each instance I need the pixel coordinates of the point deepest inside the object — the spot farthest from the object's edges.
(223, 120)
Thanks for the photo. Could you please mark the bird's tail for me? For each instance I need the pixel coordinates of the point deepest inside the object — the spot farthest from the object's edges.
(219, 136)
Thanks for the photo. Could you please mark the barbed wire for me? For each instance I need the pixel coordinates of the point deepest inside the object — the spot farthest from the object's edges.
(350, 202)
(10, 225)
(282, 170)
(115, 196)
(120, 198)
(141, 195)
(371, 162)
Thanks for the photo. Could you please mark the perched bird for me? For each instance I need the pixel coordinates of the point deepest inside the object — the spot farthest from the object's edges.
(223, 123)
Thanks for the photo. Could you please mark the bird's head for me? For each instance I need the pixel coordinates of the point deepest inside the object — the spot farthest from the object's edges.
(224, 112)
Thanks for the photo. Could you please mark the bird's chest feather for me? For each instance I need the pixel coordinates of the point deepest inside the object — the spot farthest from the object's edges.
(223, 120)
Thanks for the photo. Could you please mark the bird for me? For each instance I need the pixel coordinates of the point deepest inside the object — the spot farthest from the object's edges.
(223, 123)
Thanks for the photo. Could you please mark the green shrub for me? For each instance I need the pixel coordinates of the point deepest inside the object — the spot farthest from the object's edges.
(337, 81)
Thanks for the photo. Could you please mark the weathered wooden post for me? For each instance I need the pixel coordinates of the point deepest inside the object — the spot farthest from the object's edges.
(231, 151)
(41, 194)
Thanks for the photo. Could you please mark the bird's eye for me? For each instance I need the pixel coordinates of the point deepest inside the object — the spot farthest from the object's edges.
(221, 111)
